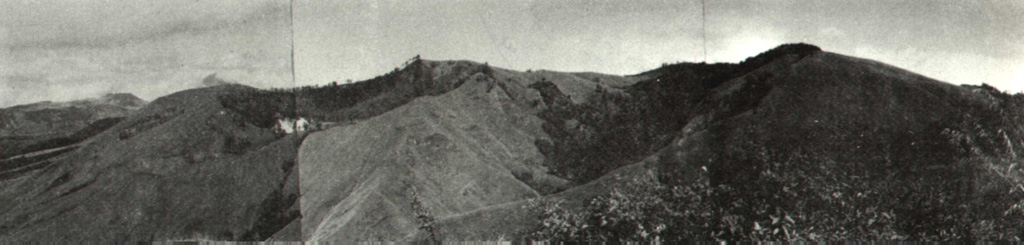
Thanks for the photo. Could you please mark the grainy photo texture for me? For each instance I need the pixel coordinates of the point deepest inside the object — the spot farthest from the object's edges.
(511, 121)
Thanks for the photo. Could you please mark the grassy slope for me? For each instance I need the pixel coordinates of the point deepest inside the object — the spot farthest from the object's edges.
(461, 150)
(579, 86)
(514, 219)
(792, 101)
(485, 129)
(163, 173)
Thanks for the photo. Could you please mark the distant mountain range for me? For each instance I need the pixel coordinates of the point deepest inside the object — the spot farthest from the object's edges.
(51, 117)
(793, 144)
(46, 125)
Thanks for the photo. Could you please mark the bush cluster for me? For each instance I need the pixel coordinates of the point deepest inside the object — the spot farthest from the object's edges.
(958, 179)
(797, 205)
(342, 102)
(613, 129)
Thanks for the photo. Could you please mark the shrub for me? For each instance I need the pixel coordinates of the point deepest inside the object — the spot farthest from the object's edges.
(341, 102)
(642, 210)
(956, 181)
(426, 220)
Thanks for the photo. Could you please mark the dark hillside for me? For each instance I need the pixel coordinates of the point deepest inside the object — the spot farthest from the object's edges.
(815, 145)
(93, 129)
(796, 144)
(613, 129)
(345, 102)
(181, 168)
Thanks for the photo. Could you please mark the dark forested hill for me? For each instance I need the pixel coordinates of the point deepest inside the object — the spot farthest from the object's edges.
(795, 143)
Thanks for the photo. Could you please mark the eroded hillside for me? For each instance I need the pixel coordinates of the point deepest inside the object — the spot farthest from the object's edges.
(453, 152)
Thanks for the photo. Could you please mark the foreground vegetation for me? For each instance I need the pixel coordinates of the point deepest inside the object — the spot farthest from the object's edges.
(954, 176)
(966, 183)
(614, 129)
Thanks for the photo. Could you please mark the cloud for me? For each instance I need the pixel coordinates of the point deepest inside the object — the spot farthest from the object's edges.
(953, 66)
(27, 88)
(53, 24)
(155, 47)
(736, 40)
(832, 31)
(603, 36)
(173, 51)
(213, 80)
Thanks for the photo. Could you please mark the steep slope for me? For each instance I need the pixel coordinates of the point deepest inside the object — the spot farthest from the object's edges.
(795, 133)
(212, 154)
(459, 151)
(337, 213)
(797, 125)
(846, 106)
(467, 142)
(182, 167)
(518, 219)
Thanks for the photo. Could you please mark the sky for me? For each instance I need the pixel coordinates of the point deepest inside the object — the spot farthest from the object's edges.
(58, 50)
(64, 50)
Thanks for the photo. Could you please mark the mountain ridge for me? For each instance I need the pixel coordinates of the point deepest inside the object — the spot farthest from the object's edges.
(119, 99)
(712, 146)
(461, 150)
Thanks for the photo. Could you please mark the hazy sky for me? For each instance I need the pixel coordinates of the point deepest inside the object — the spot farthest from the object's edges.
(54, 50)
(63, 50)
